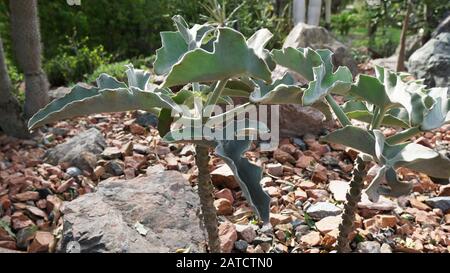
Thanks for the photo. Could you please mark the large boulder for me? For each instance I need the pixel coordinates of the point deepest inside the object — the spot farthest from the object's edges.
(158, 213)
(303, 35)
(80, 151)
(432, 61)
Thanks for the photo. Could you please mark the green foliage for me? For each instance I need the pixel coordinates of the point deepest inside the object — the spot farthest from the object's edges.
(344, 21)
(116, 69)
(74, 61)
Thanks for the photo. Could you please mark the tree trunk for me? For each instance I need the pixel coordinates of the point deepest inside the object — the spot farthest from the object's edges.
(353, 197)
(328, 13)
(314, 10)
(299, 11)
(27, 47)
(401, 54)
(205, 192)
(11, 121)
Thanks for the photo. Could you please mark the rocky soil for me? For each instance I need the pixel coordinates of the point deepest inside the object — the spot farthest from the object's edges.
(307, 181)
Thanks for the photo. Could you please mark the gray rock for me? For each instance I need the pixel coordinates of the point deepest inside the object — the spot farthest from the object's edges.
(73, 171)
(262, 240)
(141, 149)
(241, 245)
(385, 248)
(111, 153)
(368, 247)
(432, 61)
(245, 232)
(114, 167)
(306, 120)
(321, 210)
(146, 119)
(80, 151)
(442, 203)
(105, 221)
(303, 35)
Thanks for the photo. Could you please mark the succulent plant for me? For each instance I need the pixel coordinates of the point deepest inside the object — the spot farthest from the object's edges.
(211, 64)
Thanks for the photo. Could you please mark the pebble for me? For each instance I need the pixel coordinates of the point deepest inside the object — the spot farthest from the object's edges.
(321, 210)
(73, 171)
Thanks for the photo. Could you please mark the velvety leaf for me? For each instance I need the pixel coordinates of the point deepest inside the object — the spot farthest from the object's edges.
(230, 58)
(282, 91)
(439, 112)
(354, 137)
(301, 60)
(137, 78)
(247, 174)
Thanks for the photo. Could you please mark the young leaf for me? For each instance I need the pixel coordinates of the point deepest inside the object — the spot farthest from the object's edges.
(230, 58)
(247, 174)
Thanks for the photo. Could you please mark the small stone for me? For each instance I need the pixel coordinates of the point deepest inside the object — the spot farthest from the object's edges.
(283, 157)
(228, 236)
(385, 221)
(73, 171)
(281, 236)
(442, 203)
(328, 224)
(273, 191)
(223, 206)
(37, 212)
(319, 174)
(141, 149)
(137, 129)
(114, 167)
(276, 219)
(288, 148)
(275, 169)
(385, 248)
(99, 171)
(368, 223)
(27, 196)
(245, 232)
(311, 239)
(225, 193)
(20, 220)
(302, 230)
(300, 195)
(267, 182)
(172, 162)
(368, 247)
(318, 194)
(447, 218)
(321, 210)
(223, 176)
(154, 169)
(382, 204)
(305, 161)
(65, 186)
(307, 185)
(339, 189)
(300, 143)
(241, 245)
(262, 240)
(444, 190)
(127, 149)
(162, 150)
(111, 153)
(418, 205)
(43, 242)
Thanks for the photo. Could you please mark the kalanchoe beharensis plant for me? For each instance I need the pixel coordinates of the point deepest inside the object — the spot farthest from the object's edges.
(387, 99)
(212, 65)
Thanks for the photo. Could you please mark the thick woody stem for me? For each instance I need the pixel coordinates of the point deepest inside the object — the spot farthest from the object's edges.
(205, 192)
(353, 197)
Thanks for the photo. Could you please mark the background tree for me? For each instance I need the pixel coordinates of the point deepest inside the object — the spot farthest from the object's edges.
(26, 40)
(11, 121)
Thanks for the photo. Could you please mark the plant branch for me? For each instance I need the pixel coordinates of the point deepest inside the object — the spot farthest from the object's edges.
(353, 197)
(403, 135)
(342, 117)
(205, 190)
(212, 100)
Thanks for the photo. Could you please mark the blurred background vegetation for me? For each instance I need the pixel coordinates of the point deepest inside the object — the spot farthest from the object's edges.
(98, 36)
